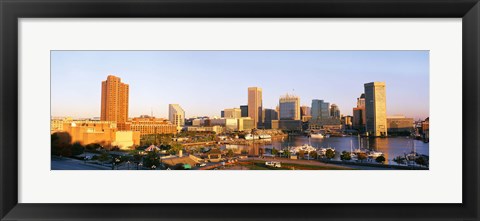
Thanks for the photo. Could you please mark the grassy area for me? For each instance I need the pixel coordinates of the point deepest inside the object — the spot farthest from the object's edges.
(257, 166)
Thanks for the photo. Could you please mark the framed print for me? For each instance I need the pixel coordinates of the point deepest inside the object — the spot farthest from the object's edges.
(225, 110)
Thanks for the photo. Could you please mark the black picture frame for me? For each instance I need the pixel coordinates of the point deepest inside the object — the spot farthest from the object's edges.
(12, 10)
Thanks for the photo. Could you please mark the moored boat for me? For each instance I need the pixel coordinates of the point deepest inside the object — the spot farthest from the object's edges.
(317, 135)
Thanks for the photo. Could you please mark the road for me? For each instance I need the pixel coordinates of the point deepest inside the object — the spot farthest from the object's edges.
(73, 164)
(299, 162)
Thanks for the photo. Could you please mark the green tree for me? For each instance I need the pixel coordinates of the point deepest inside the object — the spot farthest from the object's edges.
(313, 154)
(286, 153)
(330, 154)
(380, 159)
(301, 154)
(77, 149)
(345, 155)
(60, 146)
(175, 148)
(165, 147)
(104, 157)
(421, 161)
(136, 157)
(93, 147)
(151, 159)
(56, 148)
(274, 151)
(399, 160)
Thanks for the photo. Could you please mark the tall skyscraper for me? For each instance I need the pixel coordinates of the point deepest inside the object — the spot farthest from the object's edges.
(305, 111)
(289, 107)
(320, 109)
(244, 110)
(359, 117)
(334, 111)
(255, 105)
(114, 105)
(176, 115)
(376, 108)
(269, 116)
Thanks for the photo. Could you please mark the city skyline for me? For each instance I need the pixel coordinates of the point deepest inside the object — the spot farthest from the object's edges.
(211, 81)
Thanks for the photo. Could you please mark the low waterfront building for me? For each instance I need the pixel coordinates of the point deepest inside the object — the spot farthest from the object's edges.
(316, 124)
(290, 125)
(245, 124)
(426, 129)
(306, 118)
(347, 122)
(400, 124)
(215, 129)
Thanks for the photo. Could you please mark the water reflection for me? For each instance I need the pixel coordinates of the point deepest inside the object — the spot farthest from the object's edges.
(390, 147)
(379, 144)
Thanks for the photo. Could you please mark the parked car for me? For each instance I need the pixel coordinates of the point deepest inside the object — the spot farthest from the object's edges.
(273, 164)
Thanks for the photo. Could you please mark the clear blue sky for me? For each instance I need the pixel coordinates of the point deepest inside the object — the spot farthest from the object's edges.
(206, 82)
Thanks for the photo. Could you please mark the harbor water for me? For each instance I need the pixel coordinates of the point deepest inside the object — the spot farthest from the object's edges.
(391, 147)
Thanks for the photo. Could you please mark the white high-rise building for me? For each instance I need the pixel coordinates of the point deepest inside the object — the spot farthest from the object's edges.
(176, 115)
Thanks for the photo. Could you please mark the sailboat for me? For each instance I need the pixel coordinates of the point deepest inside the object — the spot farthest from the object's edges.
(412, 155)
(352, 154)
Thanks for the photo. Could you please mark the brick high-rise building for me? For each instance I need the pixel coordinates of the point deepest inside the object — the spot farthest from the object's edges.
(359, 115)
(255, 106)
(114, 101)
